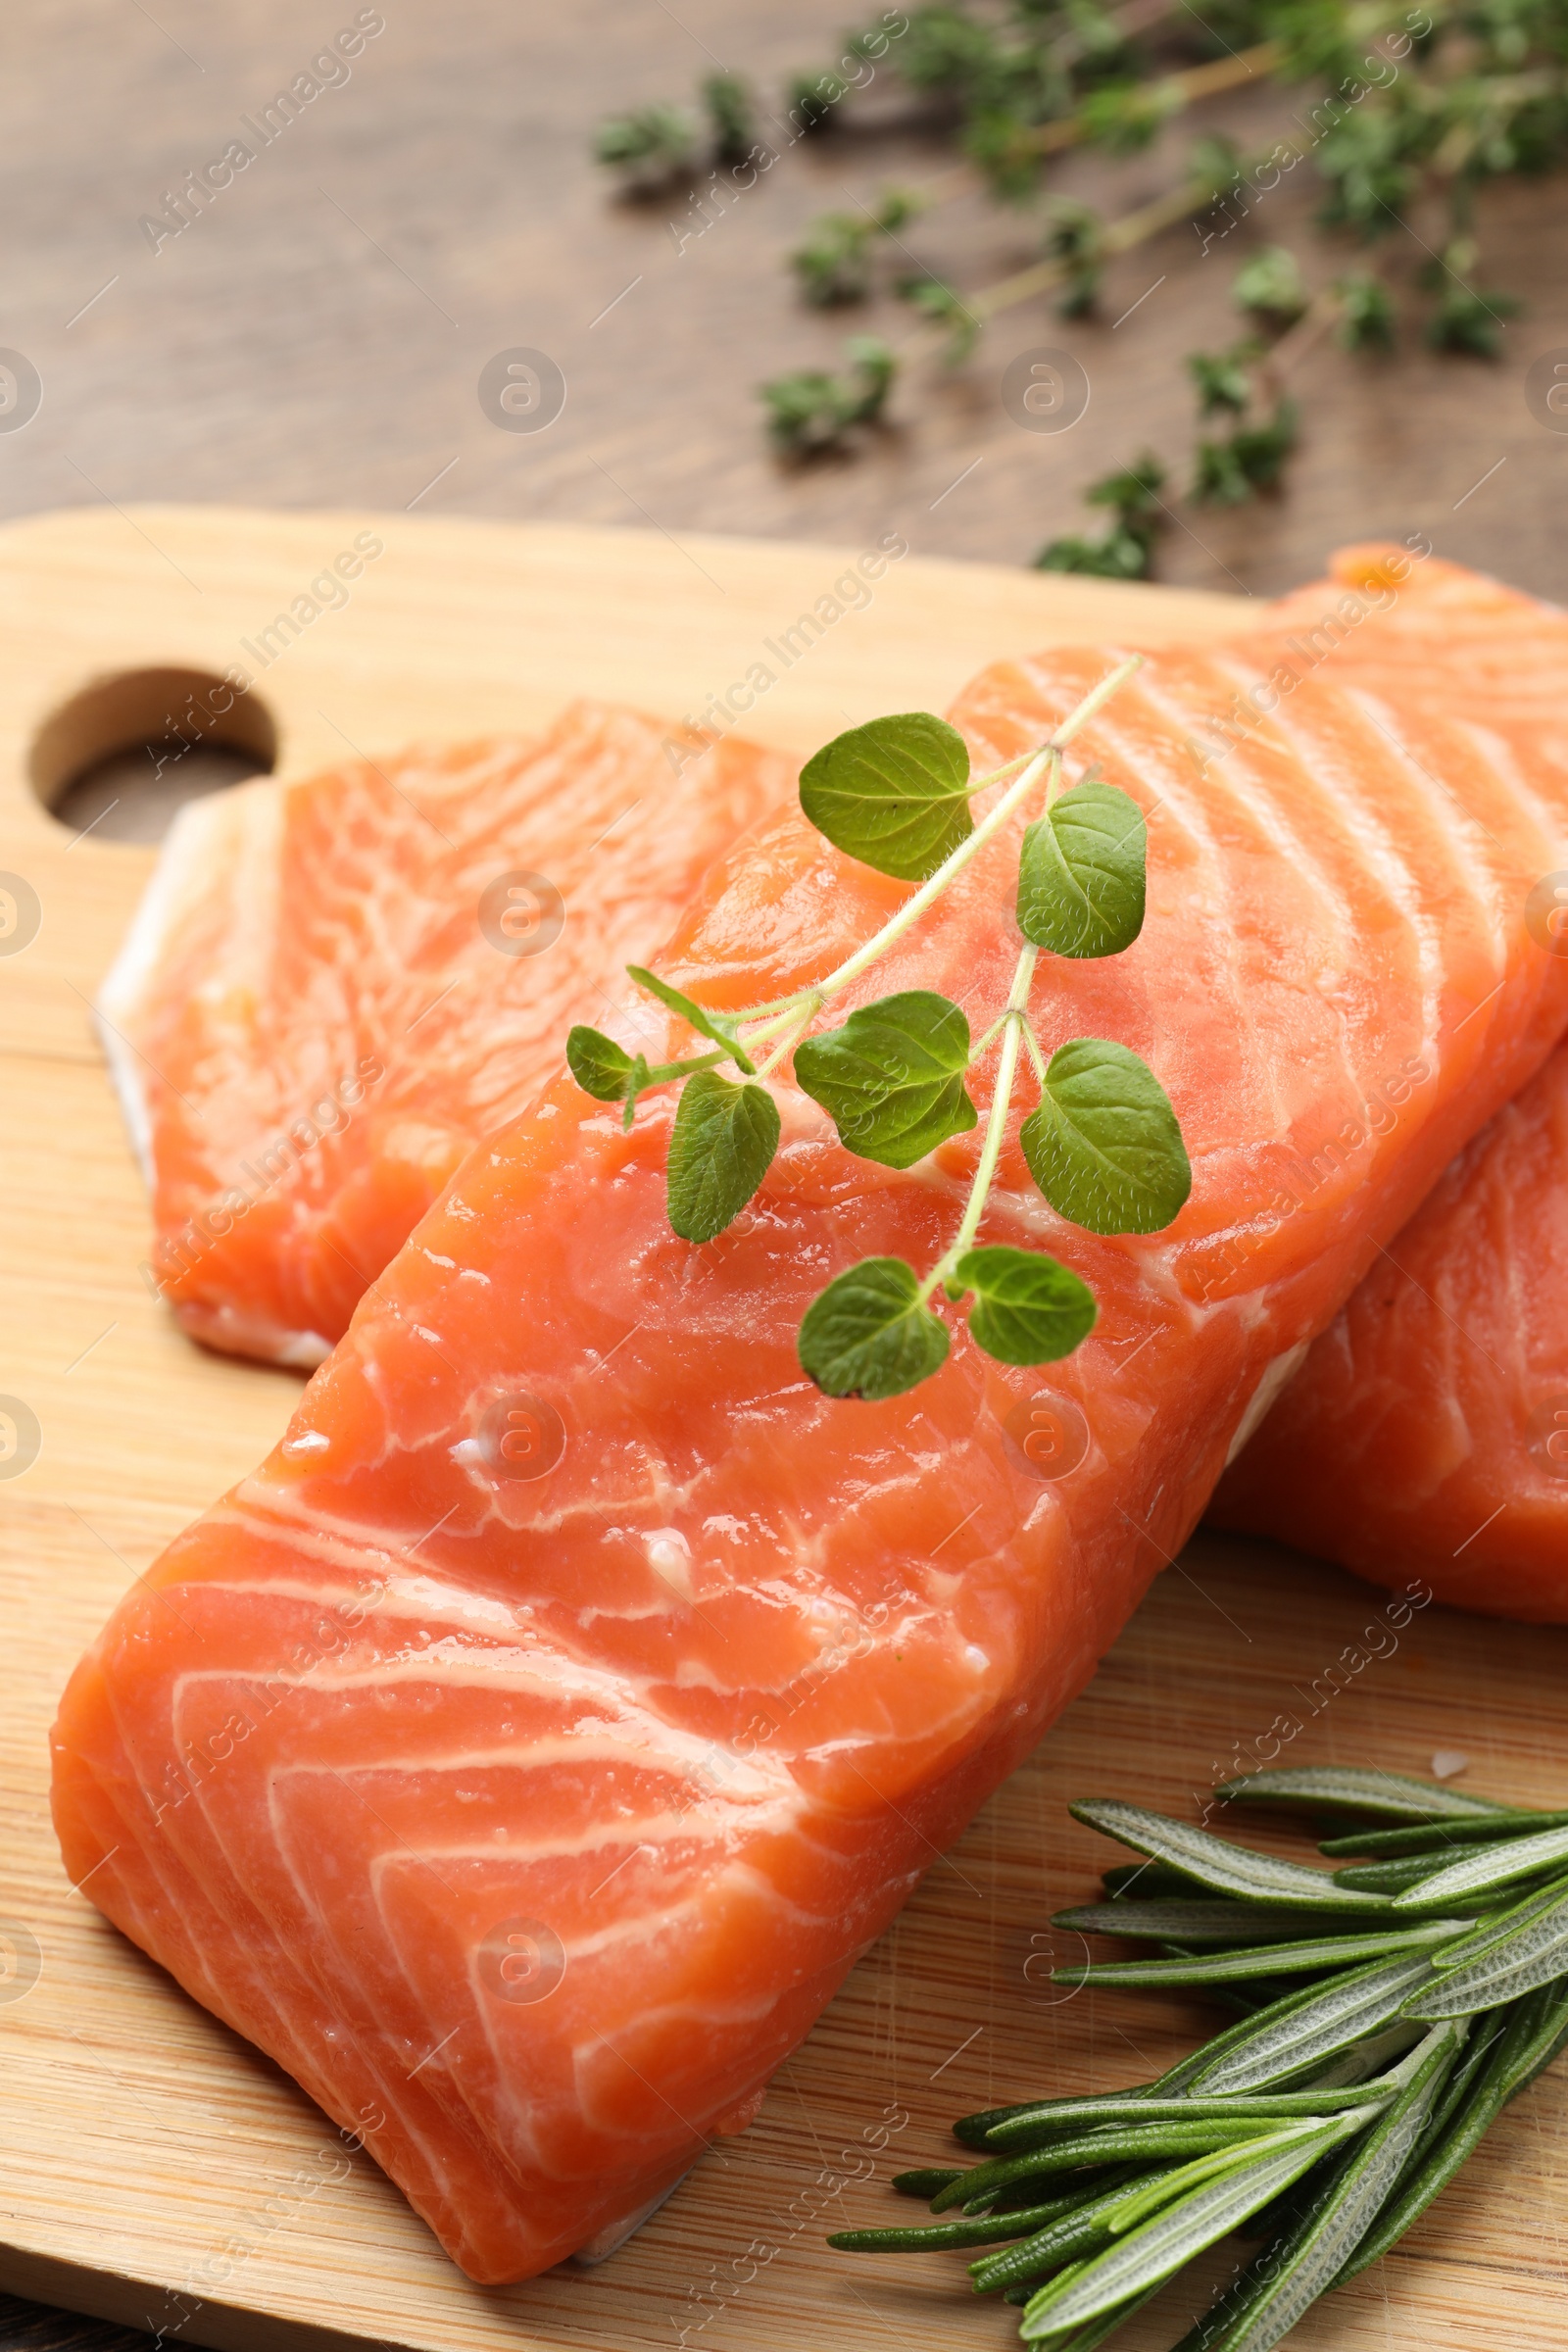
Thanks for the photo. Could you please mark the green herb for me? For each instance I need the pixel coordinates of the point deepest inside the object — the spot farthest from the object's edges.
(1075, 241)
(833, 264)
(601, 1067)
(1322, 2124)
(1366, 320)
(940, 305)
(1252, 459)
(1371, 1796)
(720, 1148)
(1028, 1309)
(1437, 1840)
(892, 1078)
(1103, 1143)
(811, 98)
(610, 1075)
(1499, 1865)
(870, 1334)
(1179, 1920)
(1281, 1958)
(1103, 1146)
(731, 116)
(811, 412)
(1138, 516)
(1271, 289)
(650, 148)
(895, 794)
(1224, 379)
(1081, 873)
(1439, 104)
(1464, 318)
(707, 1024)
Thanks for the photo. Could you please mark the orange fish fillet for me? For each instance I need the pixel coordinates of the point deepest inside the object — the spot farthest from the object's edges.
(335, 988)
(1427, 1432)
(523, 1755)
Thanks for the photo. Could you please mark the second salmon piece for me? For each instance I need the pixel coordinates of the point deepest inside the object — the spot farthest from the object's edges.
(335, 988)
(1425, 1435)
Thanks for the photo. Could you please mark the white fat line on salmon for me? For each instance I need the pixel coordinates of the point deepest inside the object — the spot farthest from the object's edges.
(1309, 1172)
(201, 188)
(180, 1254)
(723, 1760)
(1249, 711)
(1247, 1756)
(627, 1732)
(723, 712)
(184, 1778)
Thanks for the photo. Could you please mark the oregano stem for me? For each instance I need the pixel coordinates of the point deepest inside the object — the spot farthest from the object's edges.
(1050, 755)
(1016, 1017)
(787, 1044)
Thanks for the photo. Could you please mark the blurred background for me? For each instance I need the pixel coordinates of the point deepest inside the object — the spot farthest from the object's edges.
(315, 332)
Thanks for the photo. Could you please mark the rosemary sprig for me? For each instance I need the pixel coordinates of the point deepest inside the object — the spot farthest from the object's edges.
(1103, 1143)
(1320, 2126)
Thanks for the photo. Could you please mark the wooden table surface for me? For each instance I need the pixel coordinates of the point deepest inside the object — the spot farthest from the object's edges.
(317, 339)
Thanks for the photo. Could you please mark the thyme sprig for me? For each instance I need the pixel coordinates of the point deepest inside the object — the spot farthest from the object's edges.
(1322, 2124)
(1401, 111)
(1102, 1143)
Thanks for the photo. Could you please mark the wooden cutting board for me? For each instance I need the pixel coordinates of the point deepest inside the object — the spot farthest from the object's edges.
(156, 2170)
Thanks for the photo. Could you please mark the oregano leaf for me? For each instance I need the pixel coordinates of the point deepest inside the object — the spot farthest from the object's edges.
(722, 1145)
(1104, 1145)
(894, 793)
(707, 1024)
(1082, 873)
(892, 1078)
(638, 1077)
(869, 1336)
(1028, 1309)
(600, 1066)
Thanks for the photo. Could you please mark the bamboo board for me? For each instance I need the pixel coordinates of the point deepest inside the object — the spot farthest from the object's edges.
(155, 2169)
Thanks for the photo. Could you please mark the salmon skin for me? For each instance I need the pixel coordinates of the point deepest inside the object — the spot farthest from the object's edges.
(1427, 1432)
(335, 988)
(523, 1755)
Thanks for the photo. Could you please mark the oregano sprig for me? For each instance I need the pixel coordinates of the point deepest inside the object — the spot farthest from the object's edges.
(1321, 2124)
(1103, 1143)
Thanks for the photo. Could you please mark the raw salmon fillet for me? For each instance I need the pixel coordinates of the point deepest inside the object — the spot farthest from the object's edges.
(1427, 1431)
(524, 1752)
(335, 988)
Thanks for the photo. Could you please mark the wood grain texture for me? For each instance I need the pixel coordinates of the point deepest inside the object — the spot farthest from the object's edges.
(163, 2176)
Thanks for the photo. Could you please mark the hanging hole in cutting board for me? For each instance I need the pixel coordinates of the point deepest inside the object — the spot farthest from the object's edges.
(123, 756)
